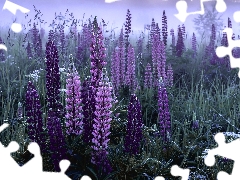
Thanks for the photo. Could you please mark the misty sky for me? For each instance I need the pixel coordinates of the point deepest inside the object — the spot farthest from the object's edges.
(115, 13)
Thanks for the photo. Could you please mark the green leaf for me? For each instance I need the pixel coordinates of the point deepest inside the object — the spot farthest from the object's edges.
(90, 169)
(111, 174)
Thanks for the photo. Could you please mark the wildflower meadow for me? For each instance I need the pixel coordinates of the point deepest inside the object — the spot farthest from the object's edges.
(118, 106)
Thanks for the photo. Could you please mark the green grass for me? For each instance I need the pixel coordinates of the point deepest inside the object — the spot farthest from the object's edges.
(194, 96)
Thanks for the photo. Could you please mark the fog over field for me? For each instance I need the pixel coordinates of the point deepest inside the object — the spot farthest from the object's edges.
(115, 13)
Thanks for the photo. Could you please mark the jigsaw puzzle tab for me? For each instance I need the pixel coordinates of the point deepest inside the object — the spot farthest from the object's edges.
(228, 150)
(236, 16)
(222, 51)
(177, 171)
(32, 169)
(182, 6)
(6, 168)
(159, 178)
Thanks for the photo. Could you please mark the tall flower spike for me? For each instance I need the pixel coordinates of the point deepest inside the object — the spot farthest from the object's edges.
(35, 38)
(55, 108)
(34, 116)
(170, 76)
(180, 44)
(163, 111)
(173, 41)
(134, 126)
(115, 66)
(194, 45)
(62, 40)
(88, 100)
(39, 50)
(73, 102)
(97, 54)
(162, 61)
(131, 75)
(120, 53)
(157, 30)
(183, 31)
(155, 58)
(80, 49)
(127, 32)
(152, 32)
(101, 126)
(164, 28)
(29, 51)
(148, 77)
(140, 46)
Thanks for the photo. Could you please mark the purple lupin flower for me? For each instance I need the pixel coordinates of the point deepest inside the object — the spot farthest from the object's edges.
(195, 125)
(57, 141)
(35, 38)
(42, 33)
(215, 59)
(80, 49)
(39, 50)
(88, 100)
(152, 32)
(148, 76)
(155, 58)
(34, 116)
(194, 45)
(101, 125)
(130, 78)
(140, 46)
(157, 30)
(161, 61)
(73, 102)
(229, 23)
(127, 32)
(183, 31)
(53, 77)
(173, 40)
(29, 51)
(234, 51)
(55, 108)
(224, 42)
(86, 36)
(120, 52)
(163, 112)
(173, 37)
(134, 126)
(207, 52)
(180, 44)
(62, 41)
(51, 35)
(164, 28)
(170, 76)
(115, 69)
(97, 55)
(210, 51)
(73, 30)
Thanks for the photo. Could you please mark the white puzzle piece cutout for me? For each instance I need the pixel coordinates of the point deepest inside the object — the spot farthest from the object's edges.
(222, 51)
(16, 27)
(227, 150)
(236, 16)
(181, 6)
(12, 7)
(111, 1)
(177, 171)
(10, 170)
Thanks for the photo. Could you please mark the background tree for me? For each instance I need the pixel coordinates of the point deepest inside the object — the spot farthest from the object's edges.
(203, 22)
